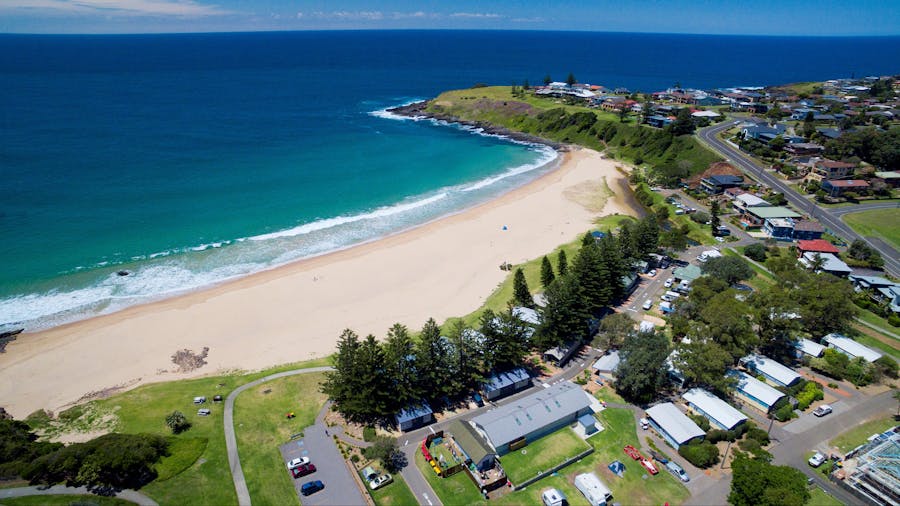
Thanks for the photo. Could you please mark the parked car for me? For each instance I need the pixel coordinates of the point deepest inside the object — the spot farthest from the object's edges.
(645, 424)
(678, 471)
(658, 457)
(822, 410)
(381, 481)
(669, 282)
(817, 460)
(647, 304)
(303, 470)
(311, 487)
(204, 412)
(719, 239)
(199, 400)
(297, 462)
(652, 273)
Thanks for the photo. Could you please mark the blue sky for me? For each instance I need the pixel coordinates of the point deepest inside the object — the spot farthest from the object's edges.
(768, 17)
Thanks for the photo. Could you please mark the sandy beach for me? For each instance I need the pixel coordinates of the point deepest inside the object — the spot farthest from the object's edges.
(296, 312)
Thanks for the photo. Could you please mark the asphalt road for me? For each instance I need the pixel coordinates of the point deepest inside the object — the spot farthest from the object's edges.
(826, 217)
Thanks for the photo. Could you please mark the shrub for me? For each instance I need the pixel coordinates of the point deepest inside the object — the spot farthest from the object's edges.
(368, 434)
(758, 435)
(754, 448)
(756, 251)
(177, 422)
(701, 455)
(716, 435)
(833, 385)
(887, 366)
(701, 421)
(354, 458)
(784, 413)
(894, 320)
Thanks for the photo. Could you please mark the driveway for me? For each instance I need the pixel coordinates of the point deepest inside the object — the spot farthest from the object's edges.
(331, 469)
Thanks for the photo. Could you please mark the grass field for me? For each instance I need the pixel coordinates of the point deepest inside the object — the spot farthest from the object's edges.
(261, 427)
(858, 435)
(457, 490)
(66, 500)
(878, 222)
(542, 454)
(819, 497)
(197, 470)
(397, 493)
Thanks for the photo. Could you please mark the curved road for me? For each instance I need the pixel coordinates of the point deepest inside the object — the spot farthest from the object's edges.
(234, 460)
(128, 495)
(827, 217)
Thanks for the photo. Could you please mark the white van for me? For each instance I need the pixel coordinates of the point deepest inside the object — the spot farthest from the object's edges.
(596, 493)
(553, 497)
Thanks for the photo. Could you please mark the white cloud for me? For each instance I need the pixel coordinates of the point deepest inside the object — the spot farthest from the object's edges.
(187, 8)
(528, 20)
(349, 15)
(475, 15)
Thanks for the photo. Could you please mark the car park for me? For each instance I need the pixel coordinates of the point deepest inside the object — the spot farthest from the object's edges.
(647, 304)
(822, 410)
(311, 487)
(204, 412)
(303, 470)
(678, 471)
(669, 282)
(817, 460)
(381, 481)
(297, 462)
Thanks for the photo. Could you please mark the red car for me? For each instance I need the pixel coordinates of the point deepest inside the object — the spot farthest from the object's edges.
(632, 452)
(649, 466)
(305, 469)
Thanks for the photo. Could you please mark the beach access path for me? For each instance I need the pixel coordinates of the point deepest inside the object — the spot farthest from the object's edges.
(297, 312)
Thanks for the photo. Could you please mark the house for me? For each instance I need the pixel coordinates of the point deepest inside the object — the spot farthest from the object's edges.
(756, 393)
(806, 230)
(732, 193)
(673, 425)
(516, 424)
(717, 411)
(881, 290)
(816, 246)
(746, 200)
(505, 383)
(414, 416)
(715, 185)
(850, 347)
(689, 272)
(476, 450)
(811, 348)
(706, 114)
(779, 228)
(658, 121)
(596, 493)
(754, 131)
(608, 363)
(771, 370)
(831, 133)
(804, 148)
(830, 263)
(756, 216)
(560, 355)
(891, 178)
(836, 188)
(829, 169)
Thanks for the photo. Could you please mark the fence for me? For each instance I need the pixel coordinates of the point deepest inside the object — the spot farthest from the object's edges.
(542, 474)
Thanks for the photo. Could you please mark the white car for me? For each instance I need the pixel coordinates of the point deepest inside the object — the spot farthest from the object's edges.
(294, 463)
(381, 481)
(719, 239)
(822, 410)
(647, 304)
(204, 412)
(652, 273)
(669, 282)
(817, 460)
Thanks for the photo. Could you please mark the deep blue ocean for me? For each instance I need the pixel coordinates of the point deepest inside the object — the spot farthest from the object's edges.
(190, 159)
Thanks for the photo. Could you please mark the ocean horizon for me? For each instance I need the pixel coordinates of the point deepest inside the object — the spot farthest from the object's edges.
(191, 159)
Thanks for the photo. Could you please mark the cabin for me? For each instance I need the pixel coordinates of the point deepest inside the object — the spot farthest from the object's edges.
(718, 412)
(673, 425)
(771, 370)
(414, 416)
(505, 383)
(756, 393)
(850, 347)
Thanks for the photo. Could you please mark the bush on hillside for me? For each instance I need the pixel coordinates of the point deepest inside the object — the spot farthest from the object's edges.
(756, 251)
(702, 455)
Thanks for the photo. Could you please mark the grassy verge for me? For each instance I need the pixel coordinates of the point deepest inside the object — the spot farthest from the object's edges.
(66, 500)
(871, 338)
(696, 232)
(457, 490)
(873, 319)
(819, 497)
(877, 222)
(858, 435)
(261, 427)
(194, 476)
(762, 279)
(542, 454)
(397, 493)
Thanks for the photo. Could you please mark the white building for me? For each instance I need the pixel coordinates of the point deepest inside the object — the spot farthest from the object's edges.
(718, 412)
(850, 347)
(673, 425)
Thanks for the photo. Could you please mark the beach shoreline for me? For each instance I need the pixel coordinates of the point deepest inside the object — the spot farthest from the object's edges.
(296, 311)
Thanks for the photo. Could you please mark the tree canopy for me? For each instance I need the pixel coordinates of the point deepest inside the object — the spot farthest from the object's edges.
(728, 268)
(756, 482)
(642, 371)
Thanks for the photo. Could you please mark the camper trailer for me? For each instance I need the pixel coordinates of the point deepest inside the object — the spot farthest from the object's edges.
(596, 493)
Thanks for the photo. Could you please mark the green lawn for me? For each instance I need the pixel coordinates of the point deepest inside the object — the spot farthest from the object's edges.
(542, 454)
(878, 222)
(65, 500)
(821, 498)
(261, 427)
(197, 470)
(882, 323)
(457, 490)
(697, 232)
(397, 493)
(859, 434)
(456, 101)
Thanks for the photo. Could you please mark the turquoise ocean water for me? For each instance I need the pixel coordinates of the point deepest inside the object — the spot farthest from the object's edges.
(191, 159)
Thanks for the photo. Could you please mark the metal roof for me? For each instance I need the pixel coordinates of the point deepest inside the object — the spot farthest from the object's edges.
(689, 272)
(714, 407)
(675, 423)
(831, 262)
(769, 367)
(752, 387)
(810, 347)
(751, 200)
(608, 362)
(413, 412)
(503, 379)
(851, 347)
(469, 440)
(534, 412)
(527, 315)
(764, 212)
